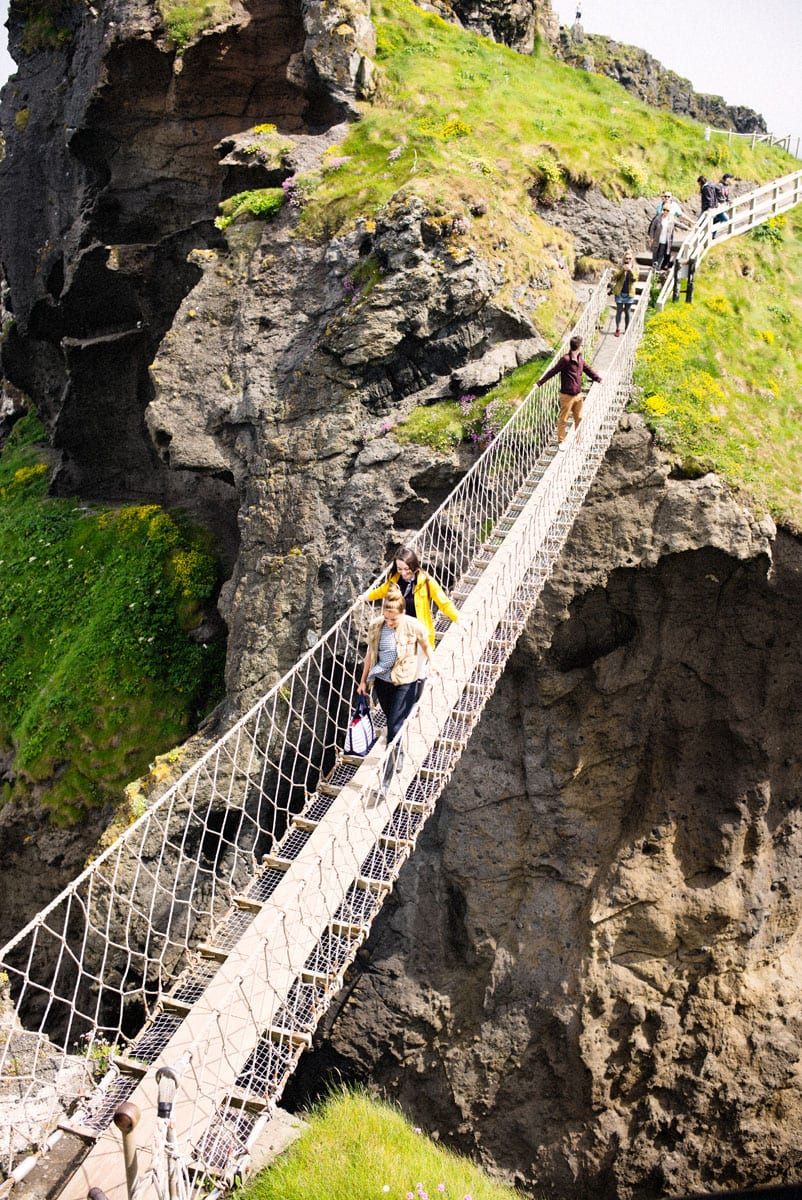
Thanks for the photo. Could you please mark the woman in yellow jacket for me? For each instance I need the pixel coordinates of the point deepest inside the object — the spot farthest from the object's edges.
(417, 588)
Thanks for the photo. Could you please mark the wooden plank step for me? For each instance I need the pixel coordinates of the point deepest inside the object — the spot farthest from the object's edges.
(246, 903)
(208, 951)
(239, 1098)
(394, 843)
(332, 982)
(301, 822)
(326, 789)
(284, 1036)
(130, 1066)
(171, 1005)
(348, 929)
(278, 864)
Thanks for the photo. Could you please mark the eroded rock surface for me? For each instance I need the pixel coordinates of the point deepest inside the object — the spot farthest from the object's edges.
(587, 972)
(112, 176)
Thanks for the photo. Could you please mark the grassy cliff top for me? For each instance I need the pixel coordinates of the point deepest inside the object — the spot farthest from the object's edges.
(721, 377)
(459, 119)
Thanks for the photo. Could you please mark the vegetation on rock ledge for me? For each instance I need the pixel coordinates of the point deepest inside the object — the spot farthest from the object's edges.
(98, 671)
(359, 1147)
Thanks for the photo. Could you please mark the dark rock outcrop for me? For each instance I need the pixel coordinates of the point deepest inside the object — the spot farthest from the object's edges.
(642, 75)
(301, 421)
(517, 24)
(97, 223)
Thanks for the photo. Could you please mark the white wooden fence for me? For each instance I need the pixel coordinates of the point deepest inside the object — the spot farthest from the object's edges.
(739, 216)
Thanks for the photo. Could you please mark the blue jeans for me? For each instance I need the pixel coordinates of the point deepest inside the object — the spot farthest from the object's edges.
(397, 701)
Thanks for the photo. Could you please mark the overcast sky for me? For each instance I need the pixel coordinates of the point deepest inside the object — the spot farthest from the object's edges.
(6, 61)
(748, 51)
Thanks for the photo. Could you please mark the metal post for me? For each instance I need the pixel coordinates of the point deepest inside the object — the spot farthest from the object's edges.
(126, 1119)
(167, 1080)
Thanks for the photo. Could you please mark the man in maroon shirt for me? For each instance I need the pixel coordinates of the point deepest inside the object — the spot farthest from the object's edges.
(570, 368)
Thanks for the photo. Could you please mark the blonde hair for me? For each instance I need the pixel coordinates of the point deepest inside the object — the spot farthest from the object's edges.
(394, 599)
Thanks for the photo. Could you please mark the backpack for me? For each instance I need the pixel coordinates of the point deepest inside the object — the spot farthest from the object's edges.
(721, 193)
(709, 195)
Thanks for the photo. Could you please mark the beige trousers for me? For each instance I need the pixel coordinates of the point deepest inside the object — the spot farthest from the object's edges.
(570, 406)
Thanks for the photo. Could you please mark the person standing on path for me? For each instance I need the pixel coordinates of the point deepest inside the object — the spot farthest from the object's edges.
(623, 289)
(676, 209)
(570, 369)
(661, 237)
(722, 197)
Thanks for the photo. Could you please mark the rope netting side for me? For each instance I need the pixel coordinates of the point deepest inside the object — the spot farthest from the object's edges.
(88, 972)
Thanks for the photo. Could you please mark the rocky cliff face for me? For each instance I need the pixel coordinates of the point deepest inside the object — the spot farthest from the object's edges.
(517, 24)
(111, 178)
(587, 972)
(640, 73)
(248, 377)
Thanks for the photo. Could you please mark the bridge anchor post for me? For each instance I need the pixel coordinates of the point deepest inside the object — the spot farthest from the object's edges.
(126, 1119)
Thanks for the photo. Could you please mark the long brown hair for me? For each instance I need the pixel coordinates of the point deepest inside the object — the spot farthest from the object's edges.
(408, 556)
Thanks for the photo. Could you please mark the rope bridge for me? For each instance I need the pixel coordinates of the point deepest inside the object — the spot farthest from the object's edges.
(211, 937)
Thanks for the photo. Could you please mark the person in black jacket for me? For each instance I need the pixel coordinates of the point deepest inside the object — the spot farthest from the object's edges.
(570, 368)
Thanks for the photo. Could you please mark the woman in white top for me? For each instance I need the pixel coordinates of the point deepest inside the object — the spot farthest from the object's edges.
(391, 663)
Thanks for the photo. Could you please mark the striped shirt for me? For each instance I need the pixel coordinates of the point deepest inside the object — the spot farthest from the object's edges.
(386, 656)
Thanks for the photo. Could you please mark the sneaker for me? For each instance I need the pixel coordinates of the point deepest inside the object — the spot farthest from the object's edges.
(618, 333)
(561, 446)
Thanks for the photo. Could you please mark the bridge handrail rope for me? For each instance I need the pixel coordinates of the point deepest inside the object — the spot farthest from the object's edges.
(125, 940)
(743, 213)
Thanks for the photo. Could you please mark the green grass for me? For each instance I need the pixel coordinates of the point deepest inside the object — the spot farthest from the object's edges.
(260, 203)
(721, 377)
(461, 122)
(361, 1149)
(98, 673)
(473, 419)
(183, 22)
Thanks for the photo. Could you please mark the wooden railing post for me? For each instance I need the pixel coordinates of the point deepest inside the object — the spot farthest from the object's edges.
(689, 285)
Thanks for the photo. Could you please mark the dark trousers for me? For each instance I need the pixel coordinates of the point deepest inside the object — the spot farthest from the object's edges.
(623, 304)
(397, 702)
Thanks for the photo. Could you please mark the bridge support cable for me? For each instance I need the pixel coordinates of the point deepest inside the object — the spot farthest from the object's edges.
(211, 937)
